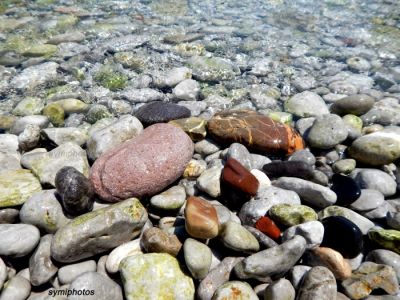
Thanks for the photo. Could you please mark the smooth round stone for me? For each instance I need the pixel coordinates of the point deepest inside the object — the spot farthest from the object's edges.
(343, 236)
(187, 90)
(393, 220)
(68, 273)
(75, 190)
(170, 280)
(376, 180)
(103, 288)
(44, 211)
(327, 131)
(281, 289)
(142, 166)
(354, 104)
(240, 153)
(354, 126)
(3, 273)
(238, 238)
(84, 236)
(8, 215)
(385, 257)
(161, 112)
(206, 147)
(157, 240)
(171, 199)
(368, 200)
(29, 138)
(231, 290)
(288, 168)
(387, 238)
(306, 104)
(292, 214)
(210, 181)
(304, 156)
(377, 148)
(41, 268)
(197, 258)
(345, 166)
(318, 283)
(313, 233)
(346, 189)
(18, 239)
(118, 254)
(17, 288)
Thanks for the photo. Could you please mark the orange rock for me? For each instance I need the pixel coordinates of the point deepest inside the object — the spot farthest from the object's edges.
(268, 227)
(239, 178)
(333, 260)
(201, 219)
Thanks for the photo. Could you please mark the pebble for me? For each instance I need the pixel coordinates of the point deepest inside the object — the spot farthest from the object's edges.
(326, 132)
(272, 262)
(393, 220)
(385, 257)
(304, 155)
(263, 180)
(16, 288)
(234, 289)
(161, 112)
(236, 237)
(120, 222)
(238, 178)
(29, 106)
(69, 273)
(255, 131)
(119, 253)
(136, 271)
(376, 180)
(368, 200)
(206, 147)
(103, 288)
(41, 268)
(387, 238)
(297, 273)
(312, 232)
(289, 168)
(3, 273)
(349, 242)
(209, 181)
(318, 283)
(201, 219)
(156, 240)
(211, 68)
(355, 104)
(65, 134)
(8, 215)
(20, 124)
(197, 258)
(240, 153)
(292, 214)
(370, 276)
(306, 104)
(187, 90)
(29, 138)
(312, 193)
(346, 189)
(18, 240)
(344, 166)
(194, 127)
(281, 289)
(268, 227)
(171, 199)
(138, 168)
(34, 76)
(75, 190)
(354, 126)
(174, 76)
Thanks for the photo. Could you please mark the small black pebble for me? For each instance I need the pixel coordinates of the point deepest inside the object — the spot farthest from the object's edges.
(298, 169)
(161, 112)
(346, 189)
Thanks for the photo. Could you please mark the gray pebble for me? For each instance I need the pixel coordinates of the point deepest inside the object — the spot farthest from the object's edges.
(8, 215)
(376, 180)
(296, 274)
(209, 181)
(304, 156)
(319, 283)
(327, 131)
(68, 273)
(17, 288)
(306, 104)
(197, 258)
(3, 273)
(18, 239)
(206, 147)
(281, 289)
(312, 231)
(22, 123)
(241, 154)
(368, 200)
(238, 238)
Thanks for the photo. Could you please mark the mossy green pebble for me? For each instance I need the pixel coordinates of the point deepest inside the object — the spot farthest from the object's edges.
(55, 113)
(292, 214)
(387, 238)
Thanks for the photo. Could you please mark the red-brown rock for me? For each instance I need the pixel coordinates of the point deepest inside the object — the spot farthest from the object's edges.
(144, 165)
(268, 227)
(201, 219)
(257, 132)
(239, 178)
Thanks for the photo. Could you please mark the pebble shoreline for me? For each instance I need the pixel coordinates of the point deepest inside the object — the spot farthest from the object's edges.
(215, 150)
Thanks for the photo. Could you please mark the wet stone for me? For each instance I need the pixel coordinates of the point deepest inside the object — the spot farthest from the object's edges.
(292, 214)
(238, 177)
(346, 189)
(194, 127)
(161, 112)
(326, 132)
(354, 104)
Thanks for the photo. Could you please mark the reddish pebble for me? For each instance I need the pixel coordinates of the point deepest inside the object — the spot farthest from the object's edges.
(268, 227)
(239, 178)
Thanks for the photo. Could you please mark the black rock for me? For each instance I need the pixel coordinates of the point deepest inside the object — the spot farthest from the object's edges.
(161, 112)
(279, 168)
(343, 236)
(346, 189)
(75, 190)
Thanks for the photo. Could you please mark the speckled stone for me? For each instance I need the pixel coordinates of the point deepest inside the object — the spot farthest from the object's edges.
(387, 238)
(235, 289)
(157, 240)
(161, 112)
(319, 283)
(326, 132)
(292, 214)
(385, 257)
(144, 165)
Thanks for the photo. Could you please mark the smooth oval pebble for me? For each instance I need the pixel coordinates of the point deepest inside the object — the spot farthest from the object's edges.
(281, 289)
(268, 227)
(17, 288)
(69, 273)
(312, 231)
(18, 239)
(161, 112)
(238, 238)
(346, 189)
(197, 258)
(157, 240)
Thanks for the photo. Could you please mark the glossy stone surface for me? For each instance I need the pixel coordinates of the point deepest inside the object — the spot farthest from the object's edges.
(343, 236)
(257, 132)
(387, 238)
(346, 189)
(268, 227)
(161, 112)
(288, 168)
(238, 177)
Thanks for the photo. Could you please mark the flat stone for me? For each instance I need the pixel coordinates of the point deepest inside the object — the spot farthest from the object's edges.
(327, 131)
(387, 238)
(234, 289)
(194, 127)
(368, 200)
(197, 258)
(292, 214)
(62, 135)
(238, 238)
(201, 219)
(290, 168)
(281, 289)
(157, 240)
(211, 68)
(142, 166)
(170, 282)
(312, 232)
(376, 180)
(370, 276)
(143, 95)
(161, 112)
(318, 283)
(120, 222)
(303, 155)
(34, 76)
(18, 240)
(210, 181)
(353, 104)
(171, 199)
(69, 273)
(312, 193)
(118, 254)
(206, 147)
(306, 104)
(255, 131)
(239, 178)
(187, 90)
(29, 106)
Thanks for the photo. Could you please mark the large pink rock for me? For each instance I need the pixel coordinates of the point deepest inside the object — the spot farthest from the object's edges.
(144, 165)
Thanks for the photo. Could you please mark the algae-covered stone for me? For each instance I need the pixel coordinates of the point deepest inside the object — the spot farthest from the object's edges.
(280, 116)
(45, 165)
(16, 186)
(66, 134)
(140, 283)
(99, 231)
(111, 79)
(97, 112)
(29, 106)
(195, 127)
(292, 214)
(46, 50)
(6, 121)
(387, 238)
(55, 113)
(71, 105)
(211, 68)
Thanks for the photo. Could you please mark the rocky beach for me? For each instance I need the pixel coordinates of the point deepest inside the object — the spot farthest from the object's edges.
(218, 150)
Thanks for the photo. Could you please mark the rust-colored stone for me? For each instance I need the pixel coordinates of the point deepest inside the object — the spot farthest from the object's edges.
(239, 178)
(268, 227)
(201, 219)
(257, 132)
